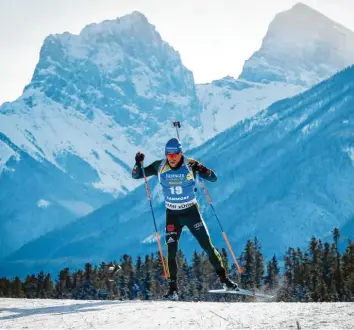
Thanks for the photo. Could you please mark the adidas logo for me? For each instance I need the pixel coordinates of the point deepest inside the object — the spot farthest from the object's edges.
(171, 240)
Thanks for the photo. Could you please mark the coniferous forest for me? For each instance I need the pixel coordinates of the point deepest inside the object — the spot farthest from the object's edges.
(321, 273)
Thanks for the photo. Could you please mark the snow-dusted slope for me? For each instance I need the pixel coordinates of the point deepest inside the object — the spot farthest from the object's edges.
(36, 197)
(6, 152)
(228, 101)
(84, 314)
(284, 175)
(301, 47)
(91, 152)
(287, 173)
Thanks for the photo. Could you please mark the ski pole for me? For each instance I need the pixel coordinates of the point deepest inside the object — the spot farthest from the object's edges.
(222, 230)
(177, 124)
(156, 231)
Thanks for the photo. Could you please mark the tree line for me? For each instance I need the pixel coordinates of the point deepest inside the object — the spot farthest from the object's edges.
(317, 274)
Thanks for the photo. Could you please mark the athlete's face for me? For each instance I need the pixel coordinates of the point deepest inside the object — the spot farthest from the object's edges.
(174, 159)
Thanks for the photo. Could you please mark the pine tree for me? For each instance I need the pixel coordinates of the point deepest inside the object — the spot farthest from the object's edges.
(40, 285)
(259, 264)
(159, 280)
(339, 283)
(30, 286)
(6, 287)
(300, 272)
(64, 284)
(248, 277)
(139, 278)
(348, 272)
(197, 275)
(327, 270)
(16, 288)
(336, 236)
(77, 284)
(272, 279)
(48, 287)
(89, 290)
(103, 281)
(306, 277)
(315, 285)
(126, 282)
(148, 284)
(287, 292)
(183, 279)
(99, 281)
(207, 277)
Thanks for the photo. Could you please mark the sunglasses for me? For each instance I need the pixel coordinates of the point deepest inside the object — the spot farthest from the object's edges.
(172, 156)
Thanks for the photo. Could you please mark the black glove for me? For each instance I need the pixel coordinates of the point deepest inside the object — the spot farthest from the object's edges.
(200, 168)
(139, 157)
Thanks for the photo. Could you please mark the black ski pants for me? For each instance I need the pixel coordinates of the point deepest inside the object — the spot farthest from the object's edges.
(190, 217)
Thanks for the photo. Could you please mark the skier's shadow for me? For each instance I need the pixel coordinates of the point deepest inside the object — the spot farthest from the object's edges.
(75, 308)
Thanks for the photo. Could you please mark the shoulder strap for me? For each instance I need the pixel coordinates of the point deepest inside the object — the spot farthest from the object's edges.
(188, 161)
(162, 165)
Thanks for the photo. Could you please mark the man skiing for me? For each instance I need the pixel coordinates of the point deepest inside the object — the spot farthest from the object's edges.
(177, 175)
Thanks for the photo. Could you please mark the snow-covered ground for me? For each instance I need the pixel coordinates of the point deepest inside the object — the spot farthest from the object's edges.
(90, 314)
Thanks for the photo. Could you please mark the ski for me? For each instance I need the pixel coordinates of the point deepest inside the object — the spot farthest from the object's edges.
(244, 292)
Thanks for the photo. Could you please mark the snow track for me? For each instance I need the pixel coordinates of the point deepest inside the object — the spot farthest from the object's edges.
(95, 314)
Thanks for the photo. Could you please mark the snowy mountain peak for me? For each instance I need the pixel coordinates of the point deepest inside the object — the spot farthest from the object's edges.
(303, 9)
(302, 18)
(131, 34)
(136, 24)
(302, 47)
(96, 96)
(135, 17)
(112, 64)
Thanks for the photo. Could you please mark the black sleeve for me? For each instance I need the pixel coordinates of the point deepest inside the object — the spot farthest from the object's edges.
(150, 170)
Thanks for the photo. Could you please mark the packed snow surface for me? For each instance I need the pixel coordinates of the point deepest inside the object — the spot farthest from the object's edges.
(90, 314)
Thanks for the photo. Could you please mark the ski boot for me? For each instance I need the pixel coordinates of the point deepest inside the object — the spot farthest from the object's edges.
(171, 295)
(227, 283)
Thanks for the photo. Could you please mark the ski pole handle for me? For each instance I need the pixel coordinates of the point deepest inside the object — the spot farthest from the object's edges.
(177, 124)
